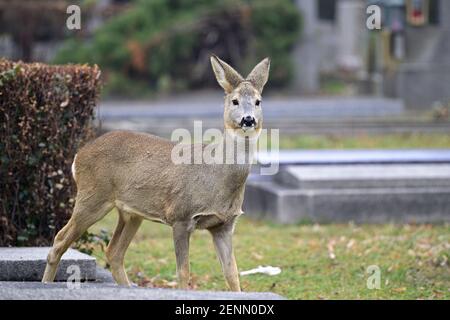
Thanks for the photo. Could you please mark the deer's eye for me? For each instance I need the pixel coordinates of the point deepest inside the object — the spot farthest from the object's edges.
(258, 102)
(235, 102)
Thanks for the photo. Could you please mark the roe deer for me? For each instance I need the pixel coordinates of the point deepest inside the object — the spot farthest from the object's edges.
(135, 173)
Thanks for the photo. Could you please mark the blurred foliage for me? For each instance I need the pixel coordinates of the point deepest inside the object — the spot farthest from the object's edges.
(89, 242)
(164, 45)
(45, 115)
(31, 21)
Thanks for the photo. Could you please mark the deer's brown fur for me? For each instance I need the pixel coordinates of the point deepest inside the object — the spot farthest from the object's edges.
(134, 173)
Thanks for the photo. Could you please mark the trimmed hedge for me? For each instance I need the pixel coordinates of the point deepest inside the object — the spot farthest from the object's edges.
(46, 112)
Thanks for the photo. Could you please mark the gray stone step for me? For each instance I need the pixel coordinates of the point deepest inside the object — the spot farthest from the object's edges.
(95, 291)
(269, 199)
(28, 264)
(286, 126)
(365, 176)
(291, 115)
(211, 106)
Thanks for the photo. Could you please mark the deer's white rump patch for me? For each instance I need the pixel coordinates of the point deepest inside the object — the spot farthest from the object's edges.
(73, 168)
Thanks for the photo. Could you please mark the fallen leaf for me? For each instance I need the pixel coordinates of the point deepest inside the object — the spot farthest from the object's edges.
(257, 256)
(330, 247)
(350, 243)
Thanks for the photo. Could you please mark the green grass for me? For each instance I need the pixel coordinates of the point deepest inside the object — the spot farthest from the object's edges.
(386, 141)
(334, 87)
(413, 259)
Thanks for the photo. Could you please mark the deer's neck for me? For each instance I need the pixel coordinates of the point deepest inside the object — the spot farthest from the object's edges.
(238, 150)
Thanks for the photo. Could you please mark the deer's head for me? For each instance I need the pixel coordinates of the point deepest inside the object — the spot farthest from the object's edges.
(242, 113)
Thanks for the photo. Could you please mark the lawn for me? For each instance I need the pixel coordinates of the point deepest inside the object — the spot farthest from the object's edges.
(317, 261)
(362, 141)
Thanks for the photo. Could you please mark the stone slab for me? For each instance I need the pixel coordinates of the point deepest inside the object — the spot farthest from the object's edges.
(211, 106)
(103, 276)
(310, 157)
(28, 264)
(270, 200)
(365, 176)
(96, 291)
(286, 126)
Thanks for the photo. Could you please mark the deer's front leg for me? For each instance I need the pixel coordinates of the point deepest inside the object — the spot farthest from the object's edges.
(181, 236)
(222, 237)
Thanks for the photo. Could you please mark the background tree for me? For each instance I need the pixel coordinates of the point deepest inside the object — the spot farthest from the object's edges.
(164, 45)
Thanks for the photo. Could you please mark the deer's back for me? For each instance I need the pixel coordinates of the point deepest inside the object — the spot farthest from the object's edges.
(123, 155)
(128, 167)
(135, 171)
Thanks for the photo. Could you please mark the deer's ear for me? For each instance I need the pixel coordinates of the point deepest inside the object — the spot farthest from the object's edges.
(259, 75)
(226, 76)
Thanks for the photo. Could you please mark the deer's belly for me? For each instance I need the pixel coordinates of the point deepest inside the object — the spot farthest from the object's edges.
(202, 220)
(206, 220)
(145, 215)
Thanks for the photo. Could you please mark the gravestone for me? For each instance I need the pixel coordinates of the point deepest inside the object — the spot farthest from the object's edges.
(365, 176)
(359, 186)
(351, 33)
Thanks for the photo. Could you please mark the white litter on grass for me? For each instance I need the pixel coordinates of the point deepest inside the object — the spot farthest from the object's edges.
(271, 271)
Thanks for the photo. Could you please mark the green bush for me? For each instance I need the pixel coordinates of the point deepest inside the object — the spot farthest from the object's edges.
(45, 114)
(164, 46)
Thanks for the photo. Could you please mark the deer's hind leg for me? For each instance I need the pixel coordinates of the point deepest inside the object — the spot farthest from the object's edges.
(87, 211)
(126, 228)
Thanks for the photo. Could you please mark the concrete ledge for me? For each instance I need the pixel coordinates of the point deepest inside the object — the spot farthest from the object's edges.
(19, 263)
(95, 291)
(202, 107)
(28, 264)
(346, 157)
(365, 176)
(267, 199)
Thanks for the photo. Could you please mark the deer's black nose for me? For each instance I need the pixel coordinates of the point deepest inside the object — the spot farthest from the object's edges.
(248, 121)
